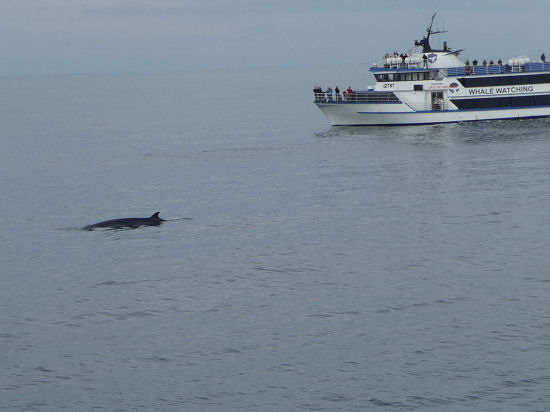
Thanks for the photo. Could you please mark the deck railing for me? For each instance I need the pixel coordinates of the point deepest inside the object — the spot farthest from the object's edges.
(357, 97)
(478, 70)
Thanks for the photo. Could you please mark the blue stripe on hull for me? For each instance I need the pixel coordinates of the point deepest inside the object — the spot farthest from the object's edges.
(445, 122)
(462, 110)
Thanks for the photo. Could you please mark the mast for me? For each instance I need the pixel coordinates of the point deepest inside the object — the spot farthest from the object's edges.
(426, 43)
(426, 48)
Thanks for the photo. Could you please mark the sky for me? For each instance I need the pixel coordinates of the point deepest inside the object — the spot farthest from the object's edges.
(113, 36)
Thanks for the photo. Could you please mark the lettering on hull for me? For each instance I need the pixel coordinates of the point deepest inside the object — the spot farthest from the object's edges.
(500, 90)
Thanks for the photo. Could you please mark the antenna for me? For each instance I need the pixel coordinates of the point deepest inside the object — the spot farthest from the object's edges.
(426, 41)
(429, 29)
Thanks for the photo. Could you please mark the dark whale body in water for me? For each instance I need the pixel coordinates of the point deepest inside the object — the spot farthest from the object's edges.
(127, 223)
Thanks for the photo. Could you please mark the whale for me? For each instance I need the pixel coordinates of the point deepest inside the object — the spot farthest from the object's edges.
(127, 222)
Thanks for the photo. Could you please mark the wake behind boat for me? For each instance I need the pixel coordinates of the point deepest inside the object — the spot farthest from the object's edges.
(427, 86)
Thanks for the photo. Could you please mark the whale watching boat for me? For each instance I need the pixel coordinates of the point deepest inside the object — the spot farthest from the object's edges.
(428, 86)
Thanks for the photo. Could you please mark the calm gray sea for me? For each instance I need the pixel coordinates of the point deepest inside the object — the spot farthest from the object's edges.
(327, 269)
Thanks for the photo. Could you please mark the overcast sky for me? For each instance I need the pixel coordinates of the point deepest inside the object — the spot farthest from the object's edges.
(90, 36)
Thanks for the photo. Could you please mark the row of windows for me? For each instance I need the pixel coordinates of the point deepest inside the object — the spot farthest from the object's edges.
(501, 102)
(373, 97)
(399, 77)
(505, 80)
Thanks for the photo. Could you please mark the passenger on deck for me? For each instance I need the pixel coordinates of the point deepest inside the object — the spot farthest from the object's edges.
(491, 63)
(318, 92)
(543, 57)
(349, 90)
(484, 62)
(499, 62)
(329, 93)
(337, 91)
(436, 104)
(425, 60)
(467, 67)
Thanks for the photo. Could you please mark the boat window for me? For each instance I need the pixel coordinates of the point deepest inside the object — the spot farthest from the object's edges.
(372, 97)
(505, 80)
(384, 77)
(399, 77)
(496, 102)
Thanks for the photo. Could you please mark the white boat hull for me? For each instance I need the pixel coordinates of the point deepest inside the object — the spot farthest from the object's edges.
(358, 114)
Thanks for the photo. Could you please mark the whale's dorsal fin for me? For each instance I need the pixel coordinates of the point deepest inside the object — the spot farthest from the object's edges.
(155, 216)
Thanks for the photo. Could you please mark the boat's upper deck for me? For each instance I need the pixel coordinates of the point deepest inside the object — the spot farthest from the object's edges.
(423, 61)
(483, 70)
(515, 65)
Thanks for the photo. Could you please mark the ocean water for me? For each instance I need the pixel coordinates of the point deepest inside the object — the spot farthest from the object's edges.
(326, 269)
